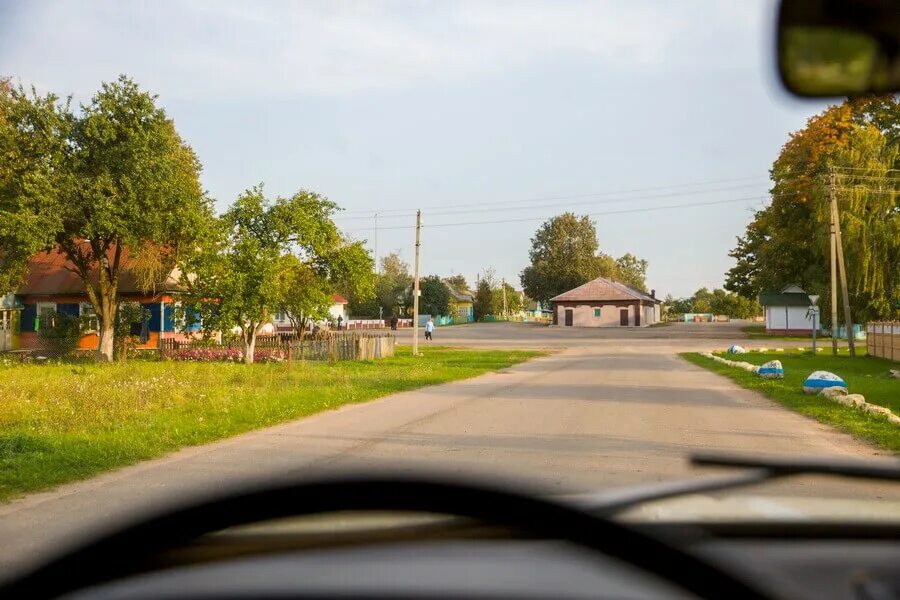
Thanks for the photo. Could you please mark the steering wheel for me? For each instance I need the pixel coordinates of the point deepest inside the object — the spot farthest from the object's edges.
(119, 554)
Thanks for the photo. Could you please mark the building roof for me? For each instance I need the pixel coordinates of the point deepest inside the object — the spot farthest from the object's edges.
(601, 289)
(338, 299)
(51, 273)
(784, 299)
(457, 296)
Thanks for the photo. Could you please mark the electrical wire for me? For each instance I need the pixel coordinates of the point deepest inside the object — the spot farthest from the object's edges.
(554, 205)
(412, 209)
(595, 214)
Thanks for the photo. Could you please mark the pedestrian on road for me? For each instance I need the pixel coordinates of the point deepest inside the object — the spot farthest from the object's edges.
(340, 321)
(429, 328)
(394, 322)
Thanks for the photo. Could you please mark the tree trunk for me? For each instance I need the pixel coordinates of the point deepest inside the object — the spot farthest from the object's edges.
(249, 339)
(105, 347)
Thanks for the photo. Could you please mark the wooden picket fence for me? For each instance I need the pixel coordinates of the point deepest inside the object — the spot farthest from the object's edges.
(883, 339)
(327, 345)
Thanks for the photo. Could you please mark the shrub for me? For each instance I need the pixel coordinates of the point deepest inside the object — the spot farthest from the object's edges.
(226, 354)
(60, 334)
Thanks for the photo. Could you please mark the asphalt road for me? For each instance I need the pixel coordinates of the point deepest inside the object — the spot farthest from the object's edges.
(605, 408)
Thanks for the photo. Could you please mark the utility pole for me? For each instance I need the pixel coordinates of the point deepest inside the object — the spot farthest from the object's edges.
(834, 311)
(415, 347)
(842, 267)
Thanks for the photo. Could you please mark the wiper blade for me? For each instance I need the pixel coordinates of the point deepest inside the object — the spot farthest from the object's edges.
(758, 470)
(883, 469)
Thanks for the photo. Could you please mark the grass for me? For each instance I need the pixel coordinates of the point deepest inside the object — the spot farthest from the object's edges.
(63, 422)
(864, 375)
(758, 332)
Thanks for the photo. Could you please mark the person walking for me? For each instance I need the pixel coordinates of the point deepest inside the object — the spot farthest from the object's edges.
(429, 328)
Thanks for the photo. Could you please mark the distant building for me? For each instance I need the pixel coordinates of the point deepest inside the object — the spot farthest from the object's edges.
(787, 311)
(462, 305)
(282, 321)
(605, 303)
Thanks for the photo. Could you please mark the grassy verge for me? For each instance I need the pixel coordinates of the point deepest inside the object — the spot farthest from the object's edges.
(63, 422)
(865, 375)
(758, 332)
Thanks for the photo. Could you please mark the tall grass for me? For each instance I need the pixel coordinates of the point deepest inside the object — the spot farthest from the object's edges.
(63, 422)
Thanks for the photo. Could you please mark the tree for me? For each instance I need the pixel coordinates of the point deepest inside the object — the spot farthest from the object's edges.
(632, 271)
(114, 178)
(262, 252)
(435, 298)
(393, 287)
(514, 303)
(563, 256)
(484, 300)
(788, 241)
(458, 283)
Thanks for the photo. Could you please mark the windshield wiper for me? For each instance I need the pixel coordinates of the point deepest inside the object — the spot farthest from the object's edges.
(758, 470)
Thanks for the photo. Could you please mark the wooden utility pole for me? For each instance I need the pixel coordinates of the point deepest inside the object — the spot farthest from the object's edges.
(842, 267)
(415, 346)
(834, 311)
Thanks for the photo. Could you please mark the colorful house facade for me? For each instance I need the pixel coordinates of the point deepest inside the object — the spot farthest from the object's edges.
(52, 287)
(462, 306)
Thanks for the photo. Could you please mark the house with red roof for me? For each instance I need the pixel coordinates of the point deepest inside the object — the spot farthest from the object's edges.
(605, 303)
(52, 286)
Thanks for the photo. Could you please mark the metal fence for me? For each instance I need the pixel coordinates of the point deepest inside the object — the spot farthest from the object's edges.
(883, 339)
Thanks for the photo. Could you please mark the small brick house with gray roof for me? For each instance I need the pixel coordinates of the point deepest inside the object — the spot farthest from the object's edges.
(605, 303)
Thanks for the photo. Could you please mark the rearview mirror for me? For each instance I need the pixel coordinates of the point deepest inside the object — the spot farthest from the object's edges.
(839, 47)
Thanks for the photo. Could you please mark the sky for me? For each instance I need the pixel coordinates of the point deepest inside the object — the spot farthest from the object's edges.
(659, 119)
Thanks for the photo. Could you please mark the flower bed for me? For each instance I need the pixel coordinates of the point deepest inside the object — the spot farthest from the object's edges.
(225, 354)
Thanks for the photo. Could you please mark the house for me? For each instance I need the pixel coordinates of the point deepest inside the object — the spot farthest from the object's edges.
(787, 311)
(538, 310)
(462, 305)
(51, 286)
(605, 303)
(338, 310)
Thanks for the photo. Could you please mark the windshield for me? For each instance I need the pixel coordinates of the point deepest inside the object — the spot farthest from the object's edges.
(563, 246)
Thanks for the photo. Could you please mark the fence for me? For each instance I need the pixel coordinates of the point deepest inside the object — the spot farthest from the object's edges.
(883, 339)
(328, 345)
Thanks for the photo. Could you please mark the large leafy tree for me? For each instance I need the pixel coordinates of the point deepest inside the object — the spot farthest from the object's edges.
(435, 298)
(632, 271)
(565, 254)
(788, 241)
(285, 254)
(111, 178)
(458, 283)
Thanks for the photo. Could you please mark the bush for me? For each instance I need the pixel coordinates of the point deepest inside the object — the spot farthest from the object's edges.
(60, 334)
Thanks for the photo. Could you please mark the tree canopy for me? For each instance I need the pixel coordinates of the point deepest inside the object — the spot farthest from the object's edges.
(435, 298)
(111, 178)
(565, 254)
(266, 256)
(716, 301)
(788, 241)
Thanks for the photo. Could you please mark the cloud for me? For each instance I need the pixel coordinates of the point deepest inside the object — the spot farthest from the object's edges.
(270, 49)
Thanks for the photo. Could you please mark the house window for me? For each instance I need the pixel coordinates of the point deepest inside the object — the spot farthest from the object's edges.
(596, 312)
(45, 312)
(86, 309)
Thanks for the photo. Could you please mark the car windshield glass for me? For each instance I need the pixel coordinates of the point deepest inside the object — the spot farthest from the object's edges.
(551, 246)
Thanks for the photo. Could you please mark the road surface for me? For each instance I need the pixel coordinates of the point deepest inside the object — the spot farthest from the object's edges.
(606, 408)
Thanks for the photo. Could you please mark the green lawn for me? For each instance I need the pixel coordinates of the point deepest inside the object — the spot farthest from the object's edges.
(864, 375)
(64, 422)
(758, 332)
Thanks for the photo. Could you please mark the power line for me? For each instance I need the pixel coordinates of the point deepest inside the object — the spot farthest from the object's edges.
(457, 210)
(412, 210)
(596, 214)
